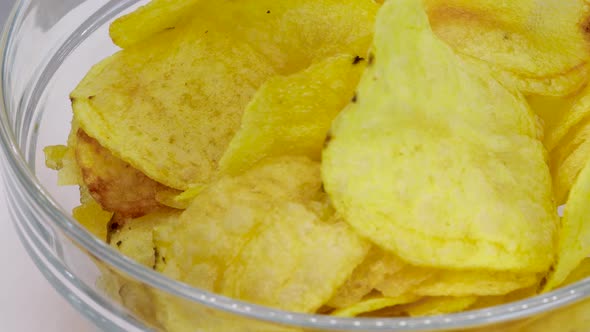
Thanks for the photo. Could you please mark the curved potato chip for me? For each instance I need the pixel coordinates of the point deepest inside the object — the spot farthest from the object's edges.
(480, 283)
(574, 234)
(257, 237)
(148, 20)
(373, 304)
(568, 159)
(291, 115)
(113, 183)
(581, 272)
(522, 40)
(432, 306)
(427, 129)
(404, 281)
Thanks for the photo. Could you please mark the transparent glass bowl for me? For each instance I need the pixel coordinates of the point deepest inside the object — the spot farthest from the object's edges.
(47, 47)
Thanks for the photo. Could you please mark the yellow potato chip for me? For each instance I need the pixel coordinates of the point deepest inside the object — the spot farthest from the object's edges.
(375, 268)
(257, 237)
(568, 159)
(431, 306)
(93, 218)
(426, 128)
(291, 115)
(522, 40)
(373, 304)
(170, 104)
(173, 130)
(574, 234)
(480, 283)
(148, 20)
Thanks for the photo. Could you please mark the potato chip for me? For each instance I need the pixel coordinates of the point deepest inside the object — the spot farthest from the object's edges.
(113, 183)
(432, 306)
(373, 304)
(568, 159)
(377, 266)
(176, 130)
(93, 218)
(480, 283)
(574, 234)
(426, 128)
(522, 40)
(291, 115)
(148, 20)
(295, 263)
(258, 238)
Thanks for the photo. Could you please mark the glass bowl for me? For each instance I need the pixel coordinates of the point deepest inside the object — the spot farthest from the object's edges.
(46, 48)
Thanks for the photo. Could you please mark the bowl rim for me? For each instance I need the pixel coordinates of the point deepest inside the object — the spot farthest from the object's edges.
(60, 219)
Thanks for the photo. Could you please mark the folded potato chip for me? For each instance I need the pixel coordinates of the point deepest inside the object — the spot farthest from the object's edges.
(522, 40)
(437, 162)
(291, 115)
(258, 237)
(574, 234)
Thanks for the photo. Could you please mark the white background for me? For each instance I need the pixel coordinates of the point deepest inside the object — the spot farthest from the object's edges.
(28, 303)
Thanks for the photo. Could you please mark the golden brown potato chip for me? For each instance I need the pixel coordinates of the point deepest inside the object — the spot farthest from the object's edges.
(522, 40)
(113, 183)
(291, 115)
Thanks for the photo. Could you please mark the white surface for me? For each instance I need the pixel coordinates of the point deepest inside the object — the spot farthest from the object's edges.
(28, 303)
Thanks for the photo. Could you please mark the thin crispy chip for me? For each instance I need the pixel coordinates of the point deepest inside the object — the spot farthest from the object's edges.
(574, 234)
(291, 115)
(427, 128)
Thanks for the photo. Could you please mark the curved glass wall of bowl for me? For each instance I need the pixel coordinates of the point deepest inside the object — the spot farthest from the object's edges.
(36, 79)
(48, 48)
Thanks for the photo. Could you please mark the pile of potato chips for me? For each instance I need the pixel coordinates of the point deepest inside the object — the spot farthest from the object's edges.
(356, 157)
